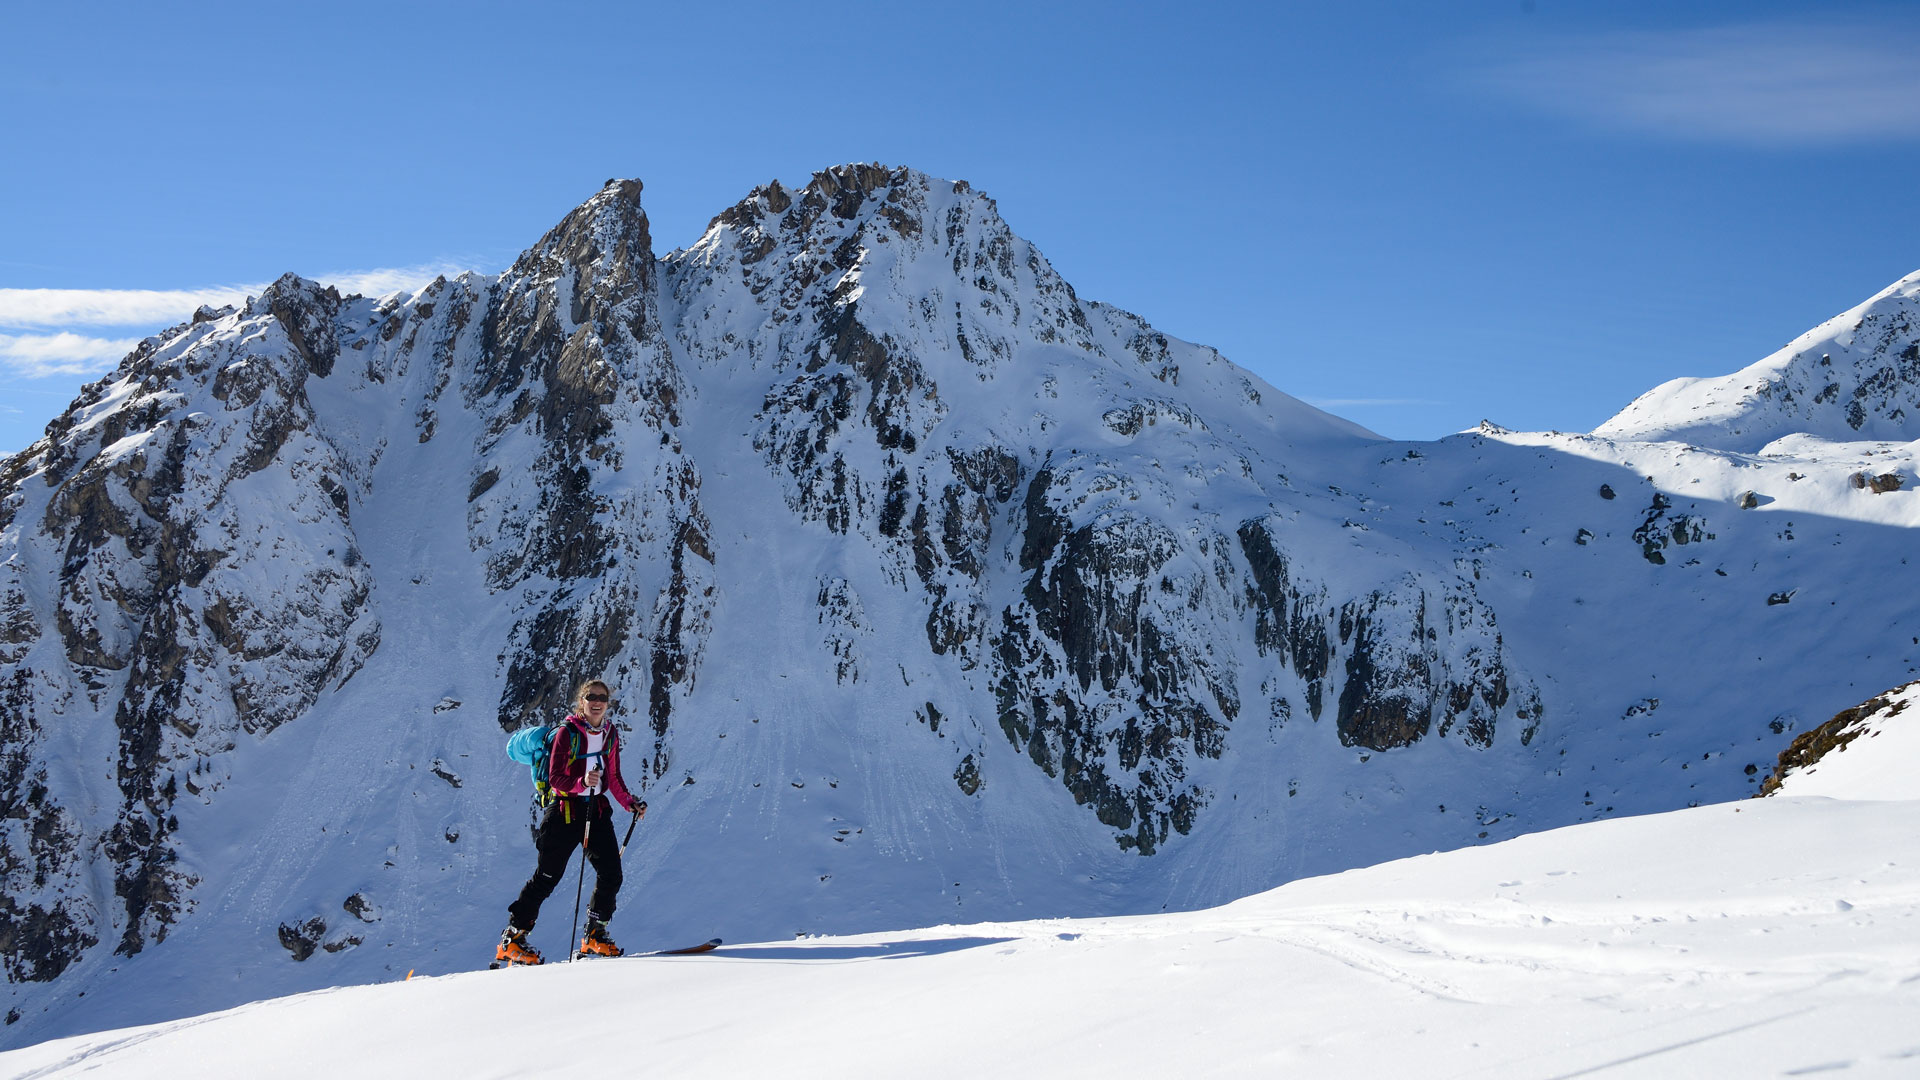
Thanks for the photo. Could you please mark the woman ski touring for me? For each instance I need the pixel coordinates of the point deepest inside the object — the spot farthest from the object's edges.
(581, 768)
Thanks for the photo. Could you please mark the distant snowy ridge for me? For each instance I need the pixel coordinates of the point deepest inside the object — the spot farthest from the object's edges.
(1854, 377)
(930, 591)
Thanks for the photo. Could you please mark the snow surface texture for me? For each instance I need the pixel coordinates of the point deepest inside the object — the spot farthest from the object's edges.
(1757, 939)
(931, 592)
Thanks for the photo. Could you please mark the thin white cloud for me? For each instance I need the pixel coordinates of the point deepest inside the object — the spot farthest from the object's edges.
(24, 308)
(40, 356)
(1771, 83)
(48, 308)
(396, 279)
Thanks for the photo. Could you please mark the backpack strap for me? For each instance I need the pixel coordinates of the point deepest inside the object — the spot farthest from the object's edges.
(572, 751)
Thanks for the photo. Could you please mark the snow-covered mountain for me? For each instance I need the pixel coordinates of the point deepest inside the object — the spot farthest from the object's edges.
(932, 592)
(1855, 376)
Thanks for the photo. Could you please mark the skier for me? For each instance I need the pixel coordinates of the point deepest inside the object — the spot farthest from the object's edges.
(583, 768)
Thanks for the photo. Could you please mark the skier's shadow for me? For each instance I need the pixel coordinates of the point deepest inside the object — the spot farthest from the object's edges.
(885, 950)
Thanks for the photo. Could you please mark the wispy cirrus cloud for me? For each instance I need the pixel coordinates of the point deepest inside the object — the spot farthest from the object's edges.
(65, 353)
(40, 356)
(24, 308)
(393, 279)
(1777, 83)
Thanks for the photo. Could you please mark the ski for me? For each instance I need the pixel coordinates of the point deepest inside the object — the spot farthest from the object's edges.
(705, 946)
(691, 950)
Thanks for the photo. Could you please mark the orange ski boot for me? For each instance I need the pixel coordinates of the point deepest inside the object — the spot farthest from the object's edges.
(597, 943)
(515, 950)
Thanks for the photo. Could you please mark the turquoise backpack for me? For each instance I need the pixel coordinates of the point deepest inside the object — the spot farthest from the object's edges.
(530, 746)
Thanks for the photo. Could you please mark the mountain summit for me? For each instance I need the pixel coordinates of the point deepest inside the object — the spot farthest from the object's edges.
(929, 590)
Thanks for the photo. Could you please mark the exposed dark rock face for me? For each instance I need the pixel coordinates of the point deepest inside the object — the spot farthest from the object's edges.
(1097, 682)
(45, 924)
(302, 939)
(967, 775)
(1413, 658)
(1107, 680)
(163, 513)
(576, 385)
(39, 935)
(1283, 627)
(1662, 528)
(361, 908)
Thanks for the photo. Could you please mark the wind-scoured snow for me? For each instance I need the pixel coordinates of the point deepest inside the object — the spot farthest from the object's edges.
(1767, 938)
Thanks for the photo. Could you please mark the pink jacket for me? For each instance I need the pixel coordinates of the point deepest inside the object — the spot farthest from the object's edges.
(567, 769)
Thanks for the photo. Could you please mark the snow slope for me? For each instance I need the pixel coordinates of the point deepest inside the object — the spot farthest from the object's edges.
(1762, 938)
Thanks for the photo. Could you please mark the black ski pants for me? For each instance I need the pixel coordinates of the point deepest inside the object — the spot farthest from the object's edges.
(562, 829)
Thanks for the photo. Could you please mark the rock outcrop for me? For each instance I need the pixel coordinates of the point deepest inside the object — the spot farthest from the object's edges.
(1809, 748)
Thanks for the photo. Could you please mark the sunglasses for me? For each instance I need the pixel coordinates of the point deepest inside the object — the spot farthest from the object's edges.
(598, 697)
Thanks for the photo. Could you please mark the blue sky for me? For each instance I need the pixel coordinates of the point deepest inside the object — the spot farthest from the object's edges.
(1415, 214)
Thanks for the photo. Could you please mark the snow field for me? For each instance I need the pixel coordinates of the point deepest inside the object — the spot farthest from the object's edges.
(1765, 938)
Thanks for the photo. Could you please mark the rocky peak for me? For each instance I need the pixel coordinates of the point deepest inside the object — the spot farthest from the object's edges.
(576, 384)
(846, 190)
(582, 298)
(307, 311)
(842, 192)
(606, 238)
(847, 210)
(928, 264)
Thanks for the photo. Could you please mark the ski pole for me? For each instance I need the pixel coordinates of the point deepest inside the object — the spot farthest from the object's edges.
(579, 886)
(641, 809)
